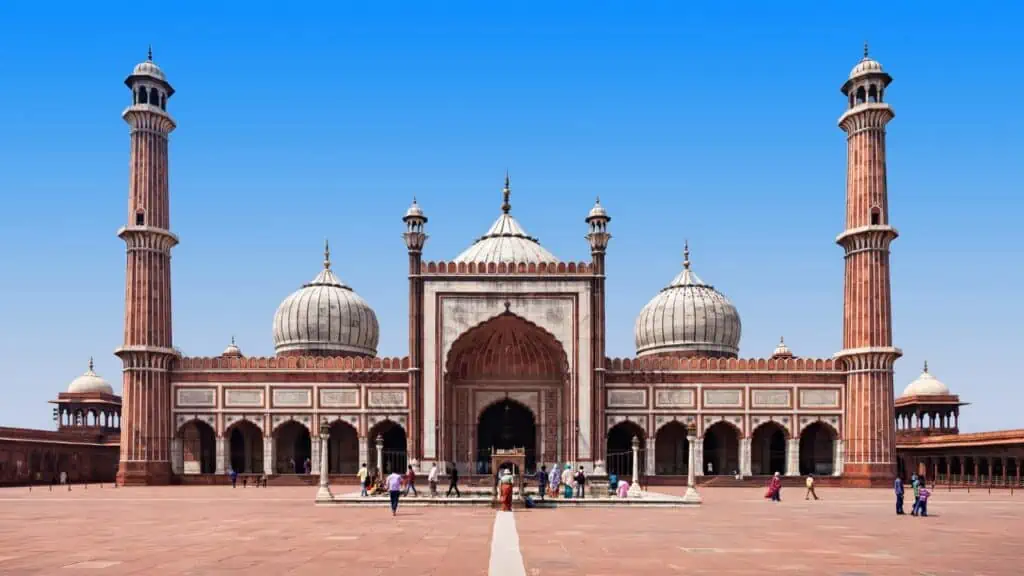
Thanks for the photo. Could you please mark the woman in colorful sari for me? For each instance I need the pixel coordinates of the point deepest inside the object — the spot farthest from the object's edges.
(553, 479)
(775, 488)
(567, 480)
(623, 489)
(506, 491)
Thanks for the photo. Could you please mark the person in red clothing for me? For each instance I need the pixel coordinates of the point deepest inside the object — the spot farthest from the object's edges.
(410, 482)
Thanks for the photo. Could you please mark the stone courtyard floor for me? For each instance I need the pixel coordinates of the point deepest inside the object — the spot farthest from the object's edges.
(217, 530)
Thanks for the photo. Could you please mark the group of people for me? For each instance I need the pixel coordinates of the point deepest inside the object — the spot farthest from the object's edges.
(921, 495)
(258, 481)
(774, 491)
(562, 480)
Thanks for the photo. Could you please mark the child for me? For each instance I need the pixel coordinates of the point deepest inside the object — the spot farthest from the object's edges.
(922, 500)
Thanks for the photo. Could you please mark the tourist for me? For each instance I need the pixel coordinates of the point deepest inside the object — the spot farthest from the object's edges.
(506, 491)
(774, 488)
(542, 481)
(581, 483)
(364, 479)
(922, 499)
(432, 480)
(916, 482)
(410, 482)
(263, 479)
(307, 465)
(394, 485)
(453, 482)
(245, 481)
(810, 488)
(898, 488)
(234, 477)
(711, 469)
(553, 479)
(567, 481)
(613, 484)
(623, 489)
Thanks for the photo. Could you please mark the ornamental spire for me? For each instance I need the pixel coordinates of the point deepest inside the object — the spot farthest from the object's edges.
(686, 254)
(506, 193)
(327, 255)
(90, 363)
(149, 53)
(865, 48)
(925, 366)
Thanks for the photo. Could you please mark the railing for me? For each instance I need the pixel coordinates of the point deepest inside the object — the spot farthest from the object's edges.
(979, 483)
(621, 465)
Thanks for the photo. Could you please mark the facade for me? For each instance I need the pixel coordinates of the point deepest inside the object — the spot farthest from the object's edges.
(507, 349)
(84, 447)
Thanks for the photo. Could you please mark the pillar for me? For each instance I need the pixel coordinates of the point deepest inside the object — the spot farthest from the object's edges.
(649, 453)
(314, 456)
(379, 443)
(692, 496)
(699, 455)
(837, 459)
(634, 487)
(268, 455)
(177, 456)
(745, 456)
(222, 454)
(364, 451)
(793, 457)
(323, 493)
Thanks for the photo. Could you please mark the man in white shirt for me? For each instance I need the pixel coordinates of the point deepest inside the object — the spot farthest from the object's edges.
(432, 479)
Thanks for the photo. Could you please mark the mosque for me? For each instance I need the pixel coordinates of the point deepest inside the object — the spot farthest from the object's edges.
(507, 349)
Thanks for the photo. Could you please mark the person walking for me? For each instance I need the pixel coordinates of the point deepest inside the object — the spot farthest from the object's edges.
(394, 483)
(432, 480)
(410, 482)
(917, 494)
(581, 483)
(234, 477)
(775, 488)
(810, 488)
(553, 479)
(898, 488)
(364, 478)
(922, 499)
(567, 481)
(542, 481)
(453, 482)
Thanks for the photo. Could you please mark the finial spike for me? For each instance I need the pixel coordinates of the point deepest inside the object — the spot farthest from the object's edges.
(149, 53)
(90, 363)
(232, 339)
(686, 254)
(926, 366)
(865, 48)
(598, 201)
(782, 340)
(327, 255)
(506, 206)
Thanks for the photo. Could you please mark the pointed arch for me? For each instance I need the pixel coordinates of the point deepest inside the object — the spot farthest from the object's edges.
(721, 443)
(507, 346)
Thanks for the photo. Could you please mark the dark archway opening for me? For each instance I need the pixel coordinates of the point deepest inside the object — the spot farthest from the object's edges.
(721, 450)
(506, 425)
(817, 450)
(620, 450)
(293, 447)
(395, 456)
(671, 450)
(245, 445)
(199, 448)
(768, 450)
(342, 449)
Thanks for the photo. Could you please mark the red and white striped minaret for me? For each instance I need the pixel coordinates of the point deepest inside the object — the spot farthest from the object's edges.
(147, 353)
(869, 454)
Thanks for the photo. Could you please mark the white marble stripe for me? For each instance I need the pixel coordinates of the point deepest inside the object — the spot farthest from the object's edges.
(506, 559)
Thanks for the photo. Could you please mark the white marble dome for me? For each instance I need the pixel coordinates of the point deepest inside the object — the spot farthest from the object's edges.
(597, 211)
(414, 211)
(867, 65)
(89, 382)
(688, 317)
(232, 351)
(506, 241)
(325, 317)
(926, 385)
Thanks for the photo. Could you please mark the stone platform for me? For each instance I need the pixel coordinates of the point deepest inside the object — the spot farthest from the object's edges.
(486, 500)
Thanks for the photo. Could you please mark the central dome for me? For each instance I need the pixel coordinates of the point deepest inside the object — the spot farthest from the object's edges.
(325, 318)
(506, 241)
(688, 318)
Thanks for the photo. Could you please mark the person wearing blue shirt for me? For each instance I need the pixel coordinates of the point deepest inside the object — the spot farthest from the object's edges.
(899, 495)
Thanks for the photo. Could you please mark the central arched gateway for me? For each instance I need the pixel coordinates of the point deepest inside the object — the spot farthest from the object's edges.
(506, 385)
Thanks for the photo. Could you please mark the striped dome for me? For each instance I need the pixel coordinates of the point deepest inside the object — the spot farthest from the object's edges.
(325, 318)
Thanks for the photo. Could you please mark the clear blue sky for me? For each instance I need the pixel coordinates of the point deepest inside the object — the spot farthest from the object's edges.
(713, 123)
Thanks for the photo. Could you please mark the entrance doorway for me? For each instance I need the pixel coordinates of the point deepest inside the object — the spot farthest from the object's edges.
(721, 450)
(293, 446)
(768, 450)
(504, 425)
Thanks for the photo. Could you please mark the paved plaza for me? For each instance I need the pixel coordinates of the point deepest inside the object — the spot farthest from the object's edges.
(219, 530)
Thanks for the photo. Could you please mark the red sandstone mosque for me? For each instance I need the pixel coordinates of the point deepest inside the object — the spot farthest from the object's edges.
(507, 349)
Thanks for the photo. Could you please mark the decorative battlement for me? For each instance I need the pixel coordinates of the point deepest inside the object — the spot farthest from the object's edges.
(443, 268)
(319, 363)
(723, 364)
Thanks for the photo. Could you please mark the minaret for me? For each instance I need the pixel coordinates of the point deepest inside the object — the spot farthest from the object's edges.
(869, 452)
(597, 222)
(147, 353)
(415, 237)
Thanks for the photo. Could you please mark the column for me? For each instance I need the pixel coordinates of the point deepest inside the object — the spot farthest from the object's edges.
(837, 459)
(692, 496)
(634, 487)
(314, 458)
(793, 457)
(698, 450)
(745, 456)
(222, 455)
(268, 455)
(649, 453)
(364, 451)
(379, 443)
(323, 493)
(178, 456)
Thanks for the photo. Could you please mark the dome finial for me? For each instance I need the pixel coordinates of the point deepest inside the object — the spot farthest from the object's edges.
(232, 339)
(686, 254)
(149, 53)
(782, 341)
(506, 193)
(90, 363)
(327, 255)
(926, 366)
(865, 48)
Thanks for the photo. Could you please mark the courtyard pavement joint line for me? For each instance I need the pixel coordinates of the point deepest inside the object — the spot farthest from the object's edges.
(506, 559)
